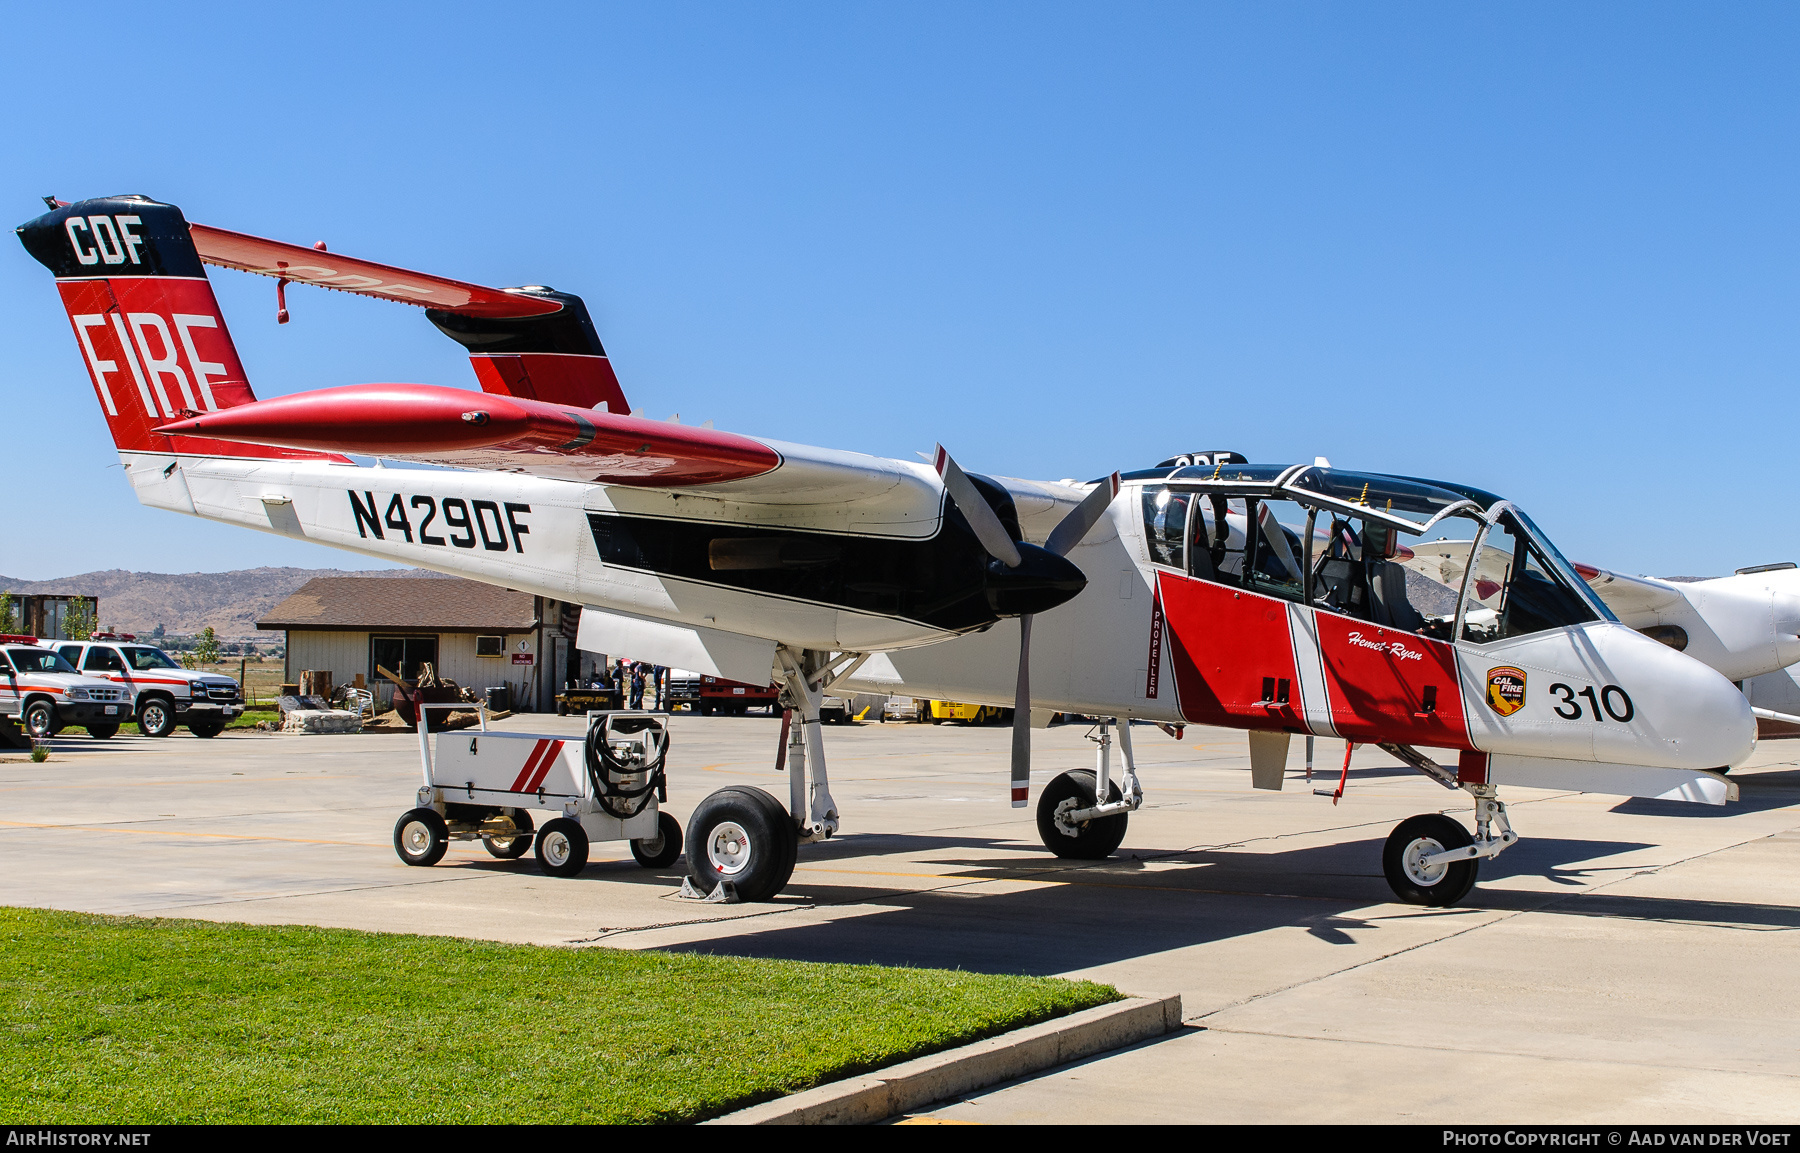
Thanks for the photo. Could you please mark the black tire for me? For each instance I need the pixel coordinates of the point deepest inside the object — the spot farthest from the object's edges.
(206, 730)
(40, 720)
(420, 837)
(1426, 833)
(744, 836)
(704, 710)
(103, 732)
(662, 850)
(1093, 839)
(562, 847)
(513, 847)
(156, 718)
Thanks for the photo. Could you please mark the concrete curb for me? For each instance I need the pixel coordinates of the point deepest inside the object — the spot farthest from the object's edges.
(878, 1096)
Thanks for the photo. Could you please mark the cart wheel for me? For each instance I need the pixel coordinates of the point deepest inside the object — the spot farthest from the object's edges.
(1418, 884)
(660, 851)
(103, 732)
(420, 837)
(562, 847)
(513, 847)
(744, 836)
(1092, 839)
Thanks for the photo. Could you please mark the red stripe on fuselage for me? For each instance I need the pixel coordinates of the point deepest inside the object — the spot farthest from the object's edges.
(1224, 643)
(1377, 680)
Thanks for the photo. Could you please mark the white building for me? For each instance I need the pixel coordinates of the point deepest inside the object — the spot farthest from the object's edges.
(475, 634)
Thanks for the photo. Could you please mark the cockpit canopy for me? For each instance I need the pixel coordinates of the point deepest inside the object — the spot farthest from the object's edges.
(1440, 560)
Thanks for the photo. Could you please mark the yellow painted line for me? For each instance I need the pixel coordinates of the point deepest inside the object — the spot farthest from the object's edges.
(179, 833)
(140, 784)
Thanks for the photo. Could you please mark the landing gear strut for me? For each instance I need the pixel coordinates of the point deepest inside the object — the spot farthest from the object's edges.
(740, 841)
(1071, 818)
(1430, 859)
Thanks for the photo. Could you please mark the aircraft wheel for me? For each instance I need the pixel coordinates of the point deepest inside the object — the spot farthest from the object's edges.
(1090, 840)
(513, 847)
(562, 847)
(420, 837)
(103, 732)
(660, 851)
(1417, 884)
(744, 836)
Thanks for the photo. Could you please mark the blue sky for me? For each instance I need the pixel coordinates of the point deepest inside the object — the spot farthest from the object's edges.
(1550, 250)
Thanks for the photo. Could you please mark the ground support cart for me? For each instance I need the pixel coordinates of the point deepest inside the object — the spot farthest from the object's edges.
(483, 784)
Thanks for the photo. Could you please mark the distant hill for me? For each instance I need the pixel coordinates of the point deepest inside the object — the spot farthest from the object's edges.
(231, 602)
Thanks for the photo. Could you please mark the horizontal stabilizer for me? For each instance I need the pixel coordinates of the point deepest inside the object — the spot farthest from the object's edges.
(323, 269)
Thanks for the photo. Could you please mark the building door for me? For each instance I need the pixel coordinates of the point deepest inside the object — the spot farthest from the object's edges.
(401, 656)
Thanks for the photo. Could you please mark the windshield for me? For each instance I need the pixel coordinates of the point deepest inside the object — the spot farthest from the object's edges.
(1557, 561)
(142, 658)
(39, 661)
(1513, 589)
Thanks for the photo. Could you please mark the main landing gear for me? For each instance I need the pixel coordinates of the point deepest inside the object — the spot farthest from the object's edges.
(1430, 859)
(741, 842)
(1071, 820)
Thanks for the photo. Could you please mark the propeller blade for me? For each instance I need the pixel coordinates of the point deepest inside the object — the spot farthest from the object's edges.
(1085, 516)
(980, 515)
(1021, 729)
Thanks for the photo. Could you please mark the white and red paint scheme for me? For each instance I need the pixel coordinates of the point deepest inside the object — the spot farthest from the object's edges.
(762, 561)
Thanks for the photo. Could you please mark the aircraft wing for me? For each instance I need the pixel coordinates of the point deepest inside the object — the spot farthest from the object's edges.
(1445, 561)
(1628, 597)
(324, 269)
(432, 424)
(1631, 597)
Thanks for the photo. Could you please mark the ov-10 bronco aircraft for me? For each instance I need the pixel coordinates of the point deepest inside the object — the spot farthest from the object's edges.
(1209, 590)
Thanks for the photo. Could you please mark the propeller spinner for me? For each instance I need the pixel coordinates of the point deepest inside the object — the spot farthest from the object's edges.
(1023, 581)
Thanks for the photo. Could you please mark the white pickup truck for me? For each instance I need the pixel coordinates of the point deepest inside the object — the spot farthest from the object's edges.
(162, 693)
(43, 692)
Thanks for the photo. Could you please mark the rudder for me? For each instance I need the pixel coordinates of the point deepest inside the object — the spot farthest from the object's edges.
(144, 317)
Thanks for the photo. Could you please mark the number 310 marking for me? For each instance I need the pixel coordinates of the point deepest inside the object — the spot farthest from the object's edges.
(1619, 709)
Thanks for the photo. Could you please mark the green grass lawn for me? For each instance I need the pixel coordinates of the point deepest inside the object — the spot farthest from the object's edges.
(248, 719)
(122, 1020)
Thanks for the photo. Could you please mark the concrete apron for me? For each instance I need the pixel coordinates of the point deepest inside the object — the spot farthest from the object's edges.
(1623, 961)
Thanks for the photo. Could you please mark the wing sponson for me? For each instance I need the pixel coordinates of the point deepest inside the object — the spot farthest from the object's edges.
(452, 426)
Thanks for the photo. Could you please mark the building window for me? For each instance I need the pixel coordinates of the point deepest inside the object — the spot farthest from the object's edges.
(490, 646)
(401, 655)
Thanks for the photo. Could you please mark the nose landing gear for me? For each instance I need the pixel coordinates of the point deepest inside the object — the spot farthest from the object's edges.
(1430, 859)
(1072, 818)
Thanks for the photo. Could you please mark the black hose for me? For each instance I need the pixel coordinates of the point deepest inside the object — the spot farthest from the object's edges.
(602, 763)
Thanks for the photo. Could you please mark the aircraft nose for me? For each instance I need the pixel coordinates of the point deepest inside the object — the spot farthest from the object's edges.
(1681, 709)
(1787, 627)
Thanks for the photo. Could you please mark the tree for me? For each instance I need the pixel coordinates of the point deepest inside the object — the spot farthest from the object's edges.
(78, 619)
(206, 649)
(8, 622)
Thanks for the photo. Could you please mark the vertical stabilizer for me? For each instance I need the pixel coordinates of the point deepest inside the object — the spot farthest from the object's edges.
(145, 319)
(556, 358)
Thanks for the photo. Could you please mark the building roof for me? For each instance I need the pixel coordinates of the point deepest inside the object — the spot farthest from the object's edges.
(402, 604)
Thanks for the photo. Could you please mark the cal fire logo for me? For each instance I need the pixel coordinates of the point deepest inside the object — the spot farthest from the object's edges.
(1506, 690)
